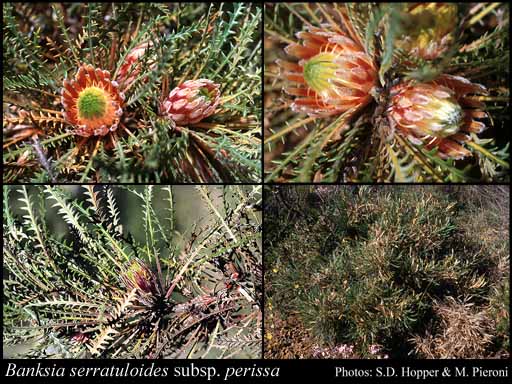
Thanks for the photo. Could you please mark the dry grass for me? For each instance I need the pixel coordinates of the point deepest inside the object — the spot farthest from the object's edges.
(287, 339)
(464, 332)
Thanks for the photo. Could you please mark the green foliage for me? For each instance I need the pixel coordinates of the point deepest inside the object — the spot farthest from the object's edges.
(128, 280)
(500, 310)
(386, 266)
(43, 44)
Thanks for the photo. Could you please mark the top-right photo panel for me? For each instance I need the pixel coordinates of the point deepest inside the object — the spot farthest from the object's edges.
(386, 93)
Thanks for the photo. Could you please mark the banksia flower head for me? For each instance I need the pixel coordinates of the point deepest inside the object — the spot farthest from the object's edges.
(132, 65)
(192, 101)
(377, 92)
(333, 75)
(428, 29)
(140, 276)
(438, 114)
(92, 102)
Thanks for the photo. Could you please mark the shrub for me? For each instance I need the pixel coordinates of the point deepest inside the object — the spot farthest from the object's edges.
(386, 266)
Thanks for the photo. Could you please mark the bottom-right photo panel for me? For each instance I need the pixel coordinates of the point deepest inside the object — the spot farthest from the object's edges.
(359, 272)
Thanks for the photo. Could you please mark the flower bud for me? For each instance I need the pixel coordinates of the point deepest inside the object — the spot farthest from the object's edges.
(132, 65)
(437, 114)
(428, 109)
(140, 276)
(428, 28)
(192, 101)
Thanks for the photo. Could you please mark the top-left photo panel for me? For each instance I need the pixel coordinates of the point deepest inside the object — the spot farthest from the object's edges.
(132, 93)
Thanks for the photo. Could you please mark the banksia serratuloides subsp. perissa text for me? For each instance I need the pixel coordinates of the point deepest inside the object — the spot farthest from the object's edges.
(339, 76)
(109, 284)
(84, 88)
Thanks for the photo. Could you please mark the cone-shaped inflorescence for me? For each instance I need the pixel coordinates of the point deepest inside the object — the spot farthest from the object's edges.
(438, 114)
(333, 74)
(192, 101)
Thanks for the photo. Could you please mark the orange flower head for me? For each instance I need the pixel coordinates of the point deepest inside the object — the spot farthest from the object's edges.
(92, 102)
(333, 74)
(438, 114)
(192, 101)
(428, 29)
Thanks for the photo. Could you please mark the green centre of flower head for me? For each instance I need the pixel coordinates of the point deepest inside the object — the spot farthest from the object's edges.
(92, 103)
(319, 70)
(203, 91)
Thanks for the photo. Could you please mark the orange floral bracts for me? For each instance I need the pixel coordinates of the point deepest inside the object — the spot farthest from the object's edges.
(92, 102)
(333, 74)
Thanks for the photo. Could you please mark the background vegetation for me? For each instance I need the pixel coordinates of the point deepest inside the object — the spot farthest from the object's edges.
(132, 272)
(408, 271)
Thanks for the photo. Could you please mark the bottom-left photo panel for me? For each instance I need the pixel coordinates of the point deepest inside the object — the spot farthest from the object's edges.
(132, 271)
